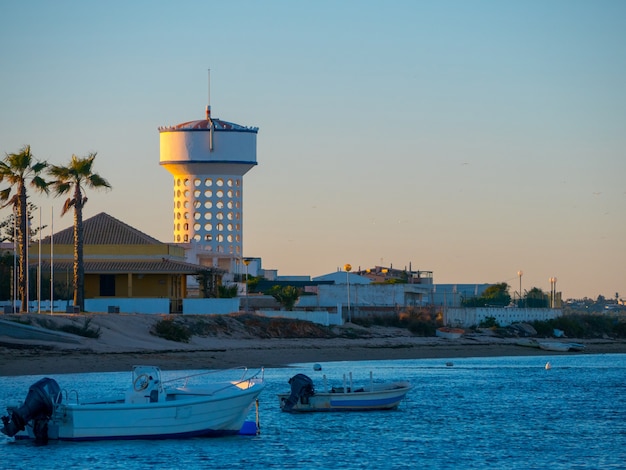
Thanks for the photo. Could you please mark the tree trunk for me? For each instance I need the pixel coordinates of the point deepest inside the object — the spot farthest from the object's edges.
(79, 268)
(22, 244)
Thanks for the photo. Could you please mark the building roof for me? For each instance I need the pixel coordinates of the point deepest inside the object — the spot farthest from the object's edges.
(164, 266)
(102, 229)
(205, 124)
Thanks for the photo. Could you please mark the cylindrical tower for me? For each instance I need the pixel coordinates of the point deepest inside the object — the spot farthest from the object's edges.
(208, 159)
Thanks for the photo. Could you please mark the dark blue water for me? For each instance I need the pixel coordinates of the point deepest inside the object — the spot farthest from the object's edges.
(508, 413)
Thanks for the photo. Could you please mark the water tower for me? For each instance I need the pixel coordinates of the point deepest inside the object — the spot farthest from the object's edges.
(208, 159)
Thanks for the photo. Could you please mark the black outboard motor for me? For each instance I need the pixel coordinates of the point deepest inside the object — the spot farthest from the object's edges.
(38, 406)
(301, 389)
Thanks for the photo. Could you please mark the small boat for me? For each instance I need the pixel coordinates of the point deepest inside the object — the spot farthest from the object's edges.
(148, 410)
(559, 346)
(373, 396)
(449, 333)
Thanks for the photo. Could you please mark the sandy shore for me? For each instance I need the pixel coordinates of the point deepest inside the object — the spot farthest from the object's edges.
(125, 342)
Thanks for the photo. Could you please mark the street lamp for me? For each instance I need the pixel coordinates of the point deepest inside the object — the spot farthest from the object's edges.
(348, 268)
(246, 262)
(520, 274)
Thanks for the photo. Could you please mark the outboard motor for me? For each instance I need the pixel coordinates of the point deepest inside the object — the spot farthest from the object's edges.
(301, 389)
(38, 406)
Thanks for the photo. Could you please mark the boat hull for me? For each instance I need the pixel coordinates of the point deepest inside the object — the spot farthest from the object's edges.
(379, 398)
(449, 333)
(182, 414)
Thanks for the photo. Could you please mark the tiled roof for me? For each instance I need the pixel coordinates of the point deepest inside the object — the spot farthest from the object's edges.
(163, 266)
(102, 229)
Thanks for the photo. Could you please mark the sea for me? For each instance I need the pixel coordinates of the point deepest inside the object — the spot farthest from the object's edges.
(540, 412)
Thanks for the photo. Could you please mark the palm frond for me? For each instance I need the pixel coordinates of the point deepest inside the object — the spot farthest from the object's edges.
(67, 206)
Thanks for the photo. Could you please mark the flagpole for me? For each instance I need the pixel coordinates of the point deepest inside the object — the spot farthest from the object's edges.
(51, 260)
(39, 268)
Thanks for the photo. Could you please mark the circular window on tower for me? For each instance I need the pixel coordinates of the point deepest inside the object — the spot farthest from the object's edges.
(208, 193)
(219, 216)
(196, 227)
(229, 238)
(237, 183)
(219, 204)
(229, 193)
(208, 227)
(238, 238)
(208, 205)
(219, 193)
(178, 193)
(178, 238)
(197, 215)
(186, 193)
(220, 182)
(178, 204)
(237, 227)
(186, 182)
(208, 216)
(229, 216)
(220, 227)
(220, 238)
(197, 182)
(237, 194)
(178, 182)
(208, 182)
(186, 204)
(178, 215)
(196, 193)
(197, 204)
(229, 204)
(196, 237)
(237, 205)
(229, 227)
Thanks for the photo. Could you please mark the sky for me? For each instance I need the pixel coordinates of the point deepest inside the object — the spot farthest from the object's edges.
(474, 139)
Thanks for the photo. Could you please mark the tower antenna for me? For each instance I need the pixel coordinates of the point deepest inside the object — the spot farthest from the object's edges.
(208, 108)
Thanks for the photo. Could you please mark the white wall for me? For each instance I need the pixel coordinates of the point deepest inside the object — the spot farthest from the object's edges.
(211, 306)
(321, 317)
(126, 305)
(467, 317)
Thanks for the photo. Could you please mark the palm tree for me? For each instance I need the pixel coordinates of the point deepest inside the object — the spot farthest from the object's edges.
(20, 169)
(75, 178)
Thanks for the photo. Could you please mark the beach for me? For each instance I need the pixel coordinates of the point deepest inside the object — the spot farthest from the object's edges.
(125, 340)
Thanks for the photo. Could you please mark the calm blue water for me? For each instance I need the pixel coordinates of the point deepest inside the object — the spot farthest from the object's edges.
(508, 413)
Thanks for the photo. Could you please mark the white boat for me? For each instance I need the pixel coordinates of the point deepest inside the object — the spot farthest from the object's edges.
(150, 409)
(373, 396)
(559, 346)
(449, 333)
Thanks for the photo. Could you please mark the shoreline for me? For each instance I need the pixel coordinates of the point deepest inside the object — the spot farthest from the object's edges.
(125, 340)
(43, 359)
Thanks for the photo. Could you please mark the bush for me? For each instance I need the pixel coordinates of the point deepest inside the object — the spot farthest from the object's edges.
(172, 331)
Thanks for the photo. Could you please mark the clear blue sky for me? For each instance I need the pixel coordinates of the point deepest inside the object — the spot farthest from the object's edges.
(470, 138)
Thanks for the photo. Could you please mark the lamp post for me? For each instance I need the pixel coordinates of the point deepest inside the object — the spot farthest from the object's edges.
(520, 273)
(348, 268)
(246, 262)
